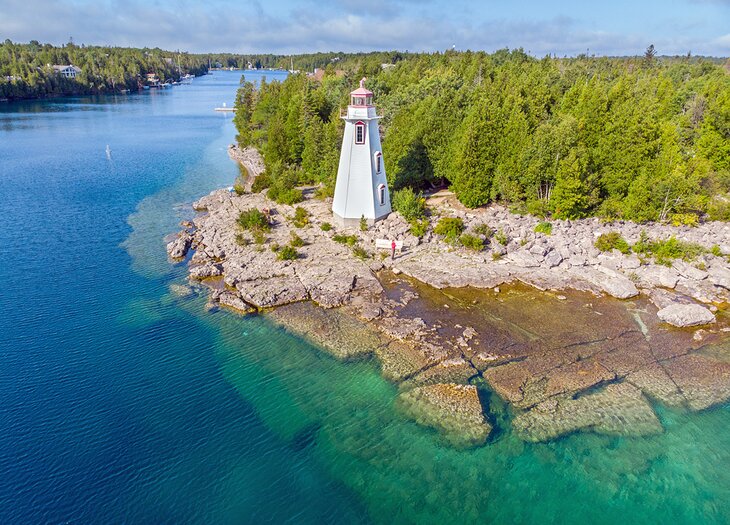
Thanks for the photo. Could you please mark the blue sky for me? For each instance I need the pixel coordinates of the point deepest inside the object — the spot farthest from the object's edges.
(618, 27)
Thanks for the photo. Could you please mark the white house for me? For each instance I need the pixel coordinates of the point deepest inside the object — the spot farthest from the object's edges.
(69, 71)
(361, 189)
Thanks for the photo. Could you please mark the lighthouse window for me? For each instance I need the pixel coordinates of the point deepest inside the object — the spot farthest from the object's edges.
(359, 133)
(378, 162)
(381, 194)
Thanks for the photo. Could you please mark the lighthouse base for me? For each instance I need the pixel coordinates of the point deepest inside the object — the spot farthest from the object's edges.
(351, 222)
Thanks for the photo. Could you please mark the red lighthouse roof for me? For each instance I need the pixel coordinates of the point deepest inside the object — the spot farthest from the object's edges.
(362, 90)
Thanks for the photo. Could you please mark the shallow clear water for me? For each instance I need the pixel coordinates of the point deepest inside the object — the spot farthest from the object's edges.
(122, 402)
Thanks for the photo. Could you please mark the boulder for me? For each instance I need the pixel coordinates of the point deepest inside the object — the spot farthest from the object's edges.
(178, 248)
(686, 315)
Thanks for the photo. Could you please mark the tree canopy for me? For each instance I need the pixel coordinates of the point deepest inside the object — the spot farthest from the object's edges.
(642, 138)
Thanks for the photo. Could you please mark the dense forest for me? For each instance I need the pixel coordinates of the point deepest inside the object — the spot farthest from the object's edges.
(642, 138)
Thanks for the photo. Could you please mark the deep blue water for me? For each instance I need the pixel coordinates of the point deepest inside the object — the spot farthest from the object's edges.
(122, 402)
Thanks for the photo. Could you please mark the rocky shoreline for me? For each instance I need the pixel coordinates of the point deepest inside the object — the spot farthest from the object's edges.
(439, 324)
(250, 159)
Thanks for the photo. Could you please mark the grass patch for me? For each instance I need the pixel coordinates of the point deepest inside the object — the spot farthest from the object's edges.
(363, 224)
(544, 227)
(287, 253)
(612, 240)
(349, 240)
(360, 252)
(282, 195)
(325, 226)
(472, 242)
(501, 237)
(296, 241)
(300, 218)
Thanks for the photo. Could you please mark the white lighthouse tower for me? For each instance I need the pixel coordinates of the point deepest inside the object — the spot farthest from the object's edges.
(361, 189)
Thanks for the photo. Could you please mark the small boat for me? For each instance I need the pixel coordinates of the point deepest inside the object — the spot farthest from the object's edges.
(145, 88)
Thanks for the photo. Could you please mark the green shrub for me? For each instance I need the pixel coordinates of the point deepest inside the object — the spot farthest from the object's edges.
(450, 228)
(715, 250)
(664, 251)
(685, 219)
(608, 241)
(253, 219)
(501, 237)
(483, 229)
(472, 242)
(260, 183)
(296, 241)
(238, 187)
(350, 240)
(325, 226)
(288, 253)
(301, 217)
(544, 227)
(363, 224)
(360, 252)
(419, 227)
(538, 207)
(324, 192)
(496, 256)
(289, 196)
(275, 247)
(242, 240)
(719, 209)
(409, 204)
(259, 237)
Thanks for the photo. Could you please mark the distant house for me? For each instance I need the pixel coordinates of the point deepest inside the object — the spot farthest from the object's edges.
(69, 71)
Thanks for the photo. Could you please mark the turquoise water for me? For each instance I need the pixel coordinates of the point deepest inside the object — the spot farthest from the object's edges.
(122, 402)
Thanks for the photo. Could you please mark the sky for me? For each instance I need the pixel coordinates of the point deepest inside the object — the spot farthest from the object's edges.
(615, 27)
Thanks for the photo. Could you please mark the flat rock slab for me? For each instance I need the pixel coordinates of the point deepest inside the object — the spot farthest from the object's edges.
(457, 370)
(454, 410)
(339, 333)
(686, 315)
(618, 409)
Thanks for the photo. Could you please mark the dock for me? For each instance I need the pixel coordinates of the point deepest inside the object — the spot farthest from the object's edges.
(224, 109)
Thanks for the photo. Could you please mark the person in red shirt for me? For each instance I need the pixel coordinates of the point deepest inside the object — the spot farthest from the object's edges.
(392, 250)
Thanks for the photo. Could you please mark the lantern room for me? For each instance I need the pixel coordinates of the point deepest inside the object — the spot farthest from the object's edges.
(361, 97)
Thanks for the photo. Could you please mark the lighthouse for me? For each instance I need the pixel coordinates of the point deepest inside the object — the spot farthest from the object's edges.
(361, 189)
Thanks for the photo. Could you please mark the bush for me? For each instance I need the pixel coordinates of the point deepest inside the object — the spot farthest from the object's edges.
(350, 240)
(260, 183)
(259, 237)
(450, 228)
(501, 237)
(324, 192)
(296, 241)
(239, 188)
(253, 219)
(288, 253)
(241, 240)
(544, 227)
(612, 240)
(289, 196)
(716, 251)
(472, 242)
(409, 204)
(301, 217)
(363, 224)
(685, 219)
(325, 226)
(664, 251)
(419, 227)
(483, 229)
(360, 252)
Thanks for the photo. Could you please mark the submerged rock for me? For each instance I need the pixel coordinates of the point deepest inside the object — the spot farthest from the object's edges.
(454, 410)
(686, 315)
(618, 409)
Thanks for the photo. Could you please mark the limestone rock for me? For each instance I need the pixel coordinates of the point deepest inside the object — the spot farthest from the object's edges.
(686, 315)
(454, 410)
(618, 409)
(234, 302)
(178, 248)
